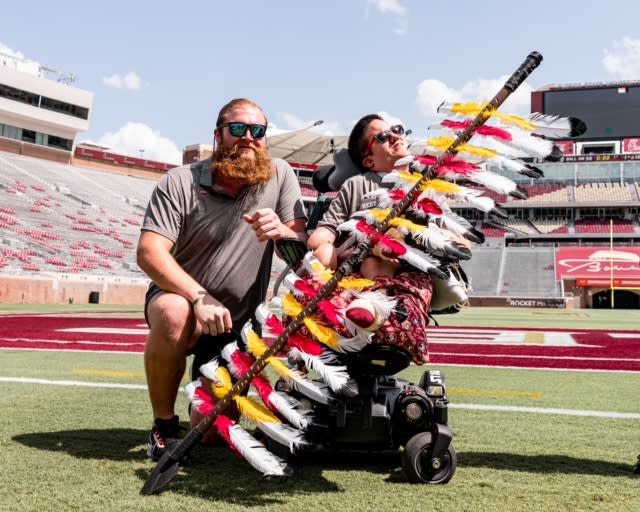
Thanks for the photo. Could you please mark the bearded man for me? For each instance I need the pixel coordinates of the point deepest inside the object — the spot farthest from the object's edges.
(206, 243)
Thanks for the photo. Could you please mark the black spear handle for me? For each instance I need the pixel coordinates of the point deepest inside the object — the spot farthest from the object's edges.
(169, 464)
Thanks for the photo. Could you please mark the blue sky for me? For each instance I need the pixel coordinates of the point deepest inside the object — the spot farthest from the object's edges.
(160, 71)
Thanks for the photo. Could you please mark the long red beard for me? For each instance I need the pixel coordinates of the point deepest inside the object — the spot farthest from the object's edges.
(230, 166)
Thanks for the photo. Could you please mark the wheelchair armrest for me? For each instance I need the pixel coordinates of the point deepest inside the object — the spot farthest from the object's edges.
(291, 250)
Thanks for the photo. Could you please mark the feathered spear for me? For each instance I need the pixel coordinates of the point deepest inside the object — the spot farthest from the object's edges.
(169, 464)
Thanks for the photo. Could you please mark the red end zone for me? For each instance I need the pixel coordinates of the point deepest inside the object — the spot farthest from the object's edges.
(575, 349)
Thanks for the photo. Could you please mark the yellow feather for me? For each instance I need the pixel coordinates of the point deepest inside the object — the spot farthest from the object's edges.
(291, 306)
(470, 109)
(410, 177)
(444, 143)
(255, 411)
(476, 150)
(405, 224)
(322, 333)
(257, 347)
(320, 272)
(221, 389)
(355, 283)
(442, 186)
(255, 344)
(379, 214)
(280, 368)
(473, 109)
(517, 120)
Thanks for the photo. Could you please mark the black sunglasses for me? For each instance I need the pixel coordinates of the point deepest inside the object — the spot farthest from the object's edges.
(238, 129)
(385, 136)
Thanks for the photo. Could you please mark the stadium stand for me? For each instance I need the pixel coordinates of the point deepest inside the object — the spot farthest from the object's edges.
(57, 217)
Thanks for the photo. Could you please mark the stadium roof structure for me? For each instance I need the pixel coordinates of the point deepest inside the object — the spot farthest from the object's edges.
(306, 146)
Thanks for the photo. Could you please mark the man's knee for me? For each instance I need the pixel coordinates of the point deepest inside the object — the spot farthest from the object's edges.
(171, 318)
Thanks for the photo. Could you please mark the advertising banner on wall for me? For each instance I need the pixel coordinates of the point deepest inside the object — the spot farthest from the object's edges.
(591, 266)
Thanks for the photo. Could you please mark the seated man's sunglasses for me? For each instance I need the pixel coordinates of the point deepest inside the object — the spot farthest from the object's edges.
(238, 129)
(385, 136)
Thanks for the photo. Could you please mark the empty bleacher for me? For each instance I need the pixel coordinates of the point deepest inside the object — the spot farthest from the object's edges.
(602, 192)
(60, 218)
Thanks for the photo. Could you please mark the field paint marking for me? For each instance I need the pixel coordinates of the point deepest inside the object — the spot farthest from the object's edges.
(534, 338)
(72, 342)
(518, 356)
(106, 330)
(477, 407)
(76, 383)
(79, 351)
(545, 410)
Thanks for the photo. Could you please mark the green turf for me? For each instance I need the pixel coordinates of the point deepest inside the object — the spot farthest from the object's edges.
(66, 448)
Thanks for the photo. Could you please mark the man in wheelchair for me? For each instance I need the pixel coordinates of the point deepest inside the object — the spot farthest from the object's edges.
(383, 327)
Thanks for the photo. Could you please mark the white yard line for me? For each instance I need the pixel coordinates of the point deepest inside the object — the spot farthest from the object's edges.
(477, 407)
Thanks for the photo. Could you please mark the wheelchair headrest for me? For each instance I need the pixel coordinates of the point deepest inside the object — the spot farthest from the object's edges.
(331, 177)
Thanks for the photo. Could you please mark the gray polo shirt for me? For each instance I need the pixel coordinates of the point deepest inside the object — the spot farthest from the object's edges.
(350, 199)
(212, 242)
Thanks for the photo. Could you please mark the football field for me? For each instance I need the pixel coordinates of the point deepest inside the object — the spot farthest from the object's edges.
(544, 406)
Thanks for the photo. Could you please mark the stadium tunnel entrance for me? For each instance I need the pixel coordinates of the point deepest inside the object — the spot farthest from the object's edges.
(622, 299)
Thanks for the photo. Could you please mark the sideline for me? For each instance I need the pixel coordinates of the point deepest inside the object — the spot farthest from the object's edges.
(477, 407)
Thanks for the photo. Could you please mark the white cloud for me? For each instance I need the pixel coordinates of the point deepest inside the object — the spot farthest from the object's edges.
(131, 81)
(16, 60)
(139, 140)
(431, 93)
(395, 8)
(624, 60)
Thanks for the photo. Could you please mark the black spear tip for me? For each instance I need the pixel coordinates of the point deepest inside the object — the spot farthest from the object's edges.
(166, 469)
(171, 461)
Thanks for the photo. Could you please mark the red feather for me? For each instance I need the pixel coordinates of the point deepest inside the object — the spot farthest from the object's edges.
(242, 361)
(274, 325)
(486, 130)
(390, 248)
(330, 311)
(302, 286)
(223, 424)
(204, 401)
(264, 389)
(430, 206)
(307, 345)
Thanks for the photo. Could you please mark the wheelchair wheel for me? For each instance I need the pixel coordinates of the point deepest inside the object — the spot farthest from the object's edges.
(417, 465)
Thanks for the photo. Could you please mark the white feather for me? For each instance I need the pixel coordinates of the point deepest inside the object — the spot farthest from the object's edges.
(263, 313)
(336, 377)
(382, 303)
(551, 126)
(209, 370)
(420, 260)
(355, 344)
(256, 454)
(291, 409)
(285, 435)
(316, 391)
(227, 354)
(190, 389)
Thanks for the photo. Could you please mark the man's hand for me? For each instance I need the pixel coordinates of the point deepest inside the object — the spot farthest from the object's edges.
(266, 225)
(212, 315)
